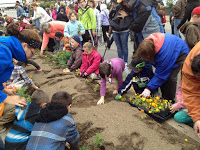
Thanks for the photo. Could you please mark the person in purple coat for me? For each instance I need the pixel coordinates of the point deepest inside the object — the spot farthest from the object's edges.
(115, 70)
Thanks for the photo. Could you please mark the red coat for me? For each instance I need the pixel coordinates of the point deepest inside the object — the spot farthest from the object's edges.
(90, 63)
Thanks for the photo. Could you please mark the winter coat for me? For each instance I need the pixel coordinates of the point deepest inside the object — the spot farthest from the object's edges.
(191, 32)
(87, 18)
(145, 19)
(75, 60)
(53, 128)
(98, 22)
(61, 7)
(118, 67)
(191, 4)
(167, 48)
(179, 9)
(73, 27)
(90, 63)
(13, 49)
(191, 85)
(62, 17)
(17, 138)
(41, 14)
(54, 15)
(105, 17)
(55, 26)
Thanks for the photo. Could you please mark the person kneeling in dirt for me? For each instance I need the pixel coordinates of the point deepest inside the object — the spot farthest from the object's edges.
(63, 42)
(17, 138)
(75, 60)
(90, 62)
(191, 86)
(139, 77)
(115, 70)
(57, 124)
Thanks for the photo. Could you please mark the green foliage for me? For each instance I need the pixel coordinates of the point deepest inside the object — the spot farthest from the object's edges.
(62, 57)
(22, 93)
(143, 116)
(98, 141)
(88, 80)
(77, 72)
(123, 99)
(47, 4)
(83, 148)
(96, 88)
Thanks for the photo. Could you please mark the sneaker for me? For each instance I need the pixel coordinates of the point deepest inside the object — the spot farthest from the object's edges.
(39, 69)
(2, 130)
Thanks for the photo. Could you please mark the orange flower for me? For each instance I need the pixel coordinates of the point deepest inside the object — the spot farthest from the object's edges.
(142, 111)
(30, 76)
(130, 99)
(45, 56)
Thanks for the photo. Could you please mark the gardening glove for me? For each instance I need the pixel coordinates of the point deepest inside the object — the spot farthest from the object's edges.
(117, 97)
(146, 92)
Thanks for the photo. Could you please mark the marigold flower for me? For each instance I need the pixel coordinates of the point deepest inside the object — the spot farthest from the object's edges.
(97, 84)
(142, 111)
(45, 56)
(157, 110)
(133, 78)
(120, 97)
(30, 76)
(157, 98)
(143, 99)
(150, 100)
(53, 61)
(160, 107)
(150, 112)
(186, 140)
(130, 99)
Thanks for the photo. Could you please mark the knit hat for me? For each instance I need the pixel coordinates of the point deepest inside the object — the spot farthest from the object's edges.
(196, 11)
(137, 64)
(77, 39)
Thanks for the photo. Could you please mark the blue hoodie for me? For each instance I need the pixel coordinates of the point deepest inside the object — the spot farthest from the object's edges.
(10, 47)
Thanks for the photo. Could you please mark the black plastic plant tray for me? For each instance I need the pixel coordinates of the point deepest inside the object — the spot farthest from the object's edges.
(160, 117)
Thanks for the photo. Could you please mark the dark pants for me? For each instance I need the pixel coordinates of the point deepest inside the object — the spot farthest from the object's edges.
(168, 89)
(139, 90)
(51, 45)
(88, 37)
(1, 144)
(29, 61)
(104, 30)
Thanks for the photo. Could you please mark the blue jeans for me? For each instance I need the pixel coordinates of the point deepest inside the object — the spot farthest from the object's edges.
(121, 41)
(37, 23)
(183, 117)
(176, 23)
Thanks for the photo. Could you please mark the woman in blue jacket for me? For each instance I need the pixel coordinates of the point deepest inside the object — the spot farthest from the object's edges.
(22, 44)
(167, 53)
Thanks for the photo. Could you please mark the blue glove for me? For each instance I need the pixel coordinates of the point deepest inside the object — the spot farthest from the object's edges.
(118, 97)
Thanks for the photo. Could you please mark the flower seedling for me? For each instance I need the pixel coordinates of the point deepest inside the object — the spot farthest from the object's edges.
(98, 141)
(83, 148)
(47, 59)
(123, 99)
(88, 80)
(77, 72)
(21, 93)
(54, 63)
(96, 88)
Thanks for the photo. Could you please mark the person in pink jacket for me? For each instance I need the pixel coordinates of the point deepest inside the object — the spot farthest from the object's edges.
(90, 62)
(49, 30)
(54, 15)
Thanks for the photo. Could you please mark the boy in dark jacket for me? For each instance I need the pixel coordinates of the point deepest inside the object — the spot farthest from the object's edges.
(191, 30)
(75, 60)
(62, 16)
(55, 127)
(139, 77)
(18, 136)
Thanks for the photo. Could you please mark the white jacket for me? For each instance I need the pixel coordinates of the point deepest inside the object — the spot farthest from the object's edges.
(41, 14)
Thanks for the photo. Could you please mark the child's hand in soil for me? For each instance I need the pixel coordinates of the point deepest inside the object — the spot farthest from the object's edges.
(101, 101)
(66, 70)
(172, 109)
(115, 92)
(67, 145)
(197, 127)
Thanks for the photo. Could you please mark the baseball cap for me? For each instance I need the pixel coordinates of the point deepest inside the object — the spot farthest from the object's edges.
(196, 11)
(137, 64)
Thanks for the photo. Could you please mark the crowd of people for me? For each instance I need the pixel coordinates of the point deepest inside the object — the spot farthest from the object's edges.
(46, 123)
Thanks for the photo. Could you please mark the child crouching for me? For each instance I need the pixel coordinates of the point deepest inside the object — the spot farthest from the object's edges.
(90, 62)
(75, 60)
(54, 126)
(139, 77)
(19, 134)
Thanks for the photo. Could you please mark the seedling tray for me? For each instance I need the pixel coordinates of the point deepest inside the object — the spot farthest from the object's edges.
(160, 116)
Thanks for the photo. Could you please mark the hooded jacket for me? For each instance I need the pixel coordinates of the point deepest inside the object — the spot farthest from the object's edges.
(191, 86)
(179, 9)
(87, 18)
(12, 48)
(20, 132)
(191, 32)
(168, 48)
(191, 4)
(54, 127)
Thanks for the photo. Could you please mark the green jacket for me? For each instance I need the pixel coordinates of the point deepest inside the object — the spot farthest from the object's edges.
(87, 18)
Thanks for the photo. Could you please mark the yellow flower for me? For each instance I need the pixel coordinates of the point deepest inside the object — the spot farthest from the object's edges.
(157, 98)
(157, 110)
(135, 94)
(120, 97)
(170, 101)
(133, 78)
(97, 84)
(92, 78)
(53, 61)
(186, 140)
(153, 104)
(150, 112)
(30, 76)
(45, 56)
(143, 99)
(160, 107)
(150, 100)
